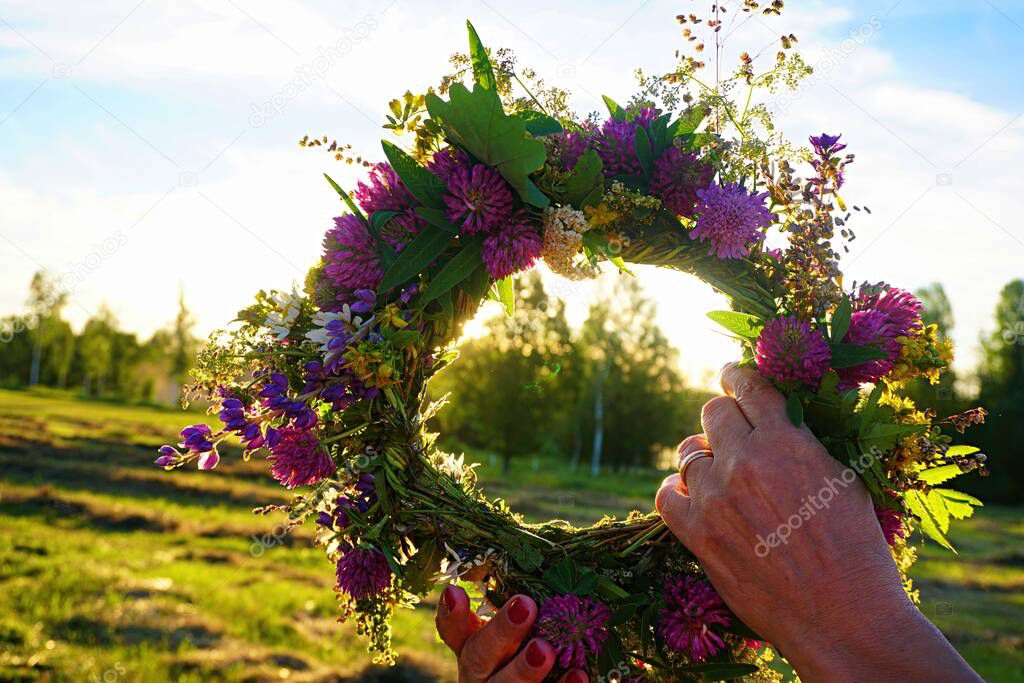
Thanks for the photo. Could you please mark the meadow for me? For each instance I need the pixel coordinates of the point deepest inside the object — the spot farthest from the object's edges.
(113, 570)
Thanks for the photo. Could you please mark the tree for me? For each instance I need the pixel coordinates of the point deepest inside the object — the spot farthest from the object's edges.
(96, 348)
(507, 393)
(45, 301)
(1001, 381)
(635, 386)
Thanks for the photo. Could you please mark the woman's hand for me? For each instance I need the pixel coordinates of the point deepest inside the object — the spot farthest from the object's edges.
(789, 539)
(487, 650)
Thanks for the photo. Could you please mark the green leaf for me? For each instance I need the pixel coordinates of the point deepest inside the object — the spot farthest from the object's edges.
(478, 283)
(567, 577)
(937, 475)
(523, 552)
(867, 413)
(742, 324)
(422, 567)
(795, 409)
(458, 268)
(659, 135)
(642, 144)
(687, 122)
(426, 187)
(962, 450)
(959, 505)
(937, 504)
(585, 186)
(841, 320)
(403, 338)
(475, 121)
(346, 198)
(482, 71)
(884, 435)
(506, 295)
(437, 218)
(378, 219)
(917, 503)
(850, 355)
(538, 124)
(416, 256)
(614, 110)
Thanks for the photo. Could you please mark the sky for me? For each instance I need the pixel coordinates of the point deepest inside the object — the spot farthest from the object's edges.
(149, 147)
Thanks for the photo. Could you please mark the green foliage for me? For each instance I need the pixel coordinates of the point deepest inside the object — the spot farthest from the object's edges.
(421, 183)
(741, 324)
(414, 259)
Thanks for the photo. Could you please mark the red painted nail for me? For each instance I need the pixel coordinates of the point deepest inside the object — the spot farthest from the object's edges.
(518, 611)
(535, 656)
(576, 676)
(448, 598)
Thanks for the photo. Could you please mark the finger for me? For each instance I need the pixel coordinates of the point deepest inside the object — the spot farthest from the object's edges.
(698, 469)
(724, 424)
(674, 507)
(530, 666)
(455, 621)
(574, 676)
(489, 648)
(761, 403)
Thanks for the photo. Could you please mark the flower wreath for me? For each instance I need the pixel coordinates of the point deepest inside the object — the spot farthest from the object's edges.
(331, 381)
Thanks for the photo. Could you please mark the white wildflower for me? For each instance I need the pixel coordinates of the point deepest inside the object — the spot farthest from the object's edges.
(288, 305)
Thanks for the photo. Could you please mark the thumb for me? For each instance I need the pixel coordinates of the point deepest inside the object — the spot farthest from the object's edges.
(674, 507)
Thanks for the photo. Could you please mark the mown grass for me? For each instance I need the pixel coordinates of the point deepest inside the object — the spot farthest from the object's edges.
(113, 570)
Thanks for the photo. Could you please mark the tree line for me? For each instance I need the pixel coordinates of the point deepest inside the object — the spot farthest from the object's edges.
(39, 347)
(609, 395)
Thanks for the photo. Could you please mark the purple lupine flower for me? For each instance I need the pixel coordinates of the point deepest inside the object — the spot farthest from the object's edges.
(791, 352)
(275, 398)
(447, 161)
(575, 627)
(363, 572)
(350, 255)
(364, 301)
(478, 199)
(298, 458)
(676, 177)
(515, 247)
(828, 166)
(730, 219)
(168, 456)
(363, 499)
(645, 116)
(692, 607)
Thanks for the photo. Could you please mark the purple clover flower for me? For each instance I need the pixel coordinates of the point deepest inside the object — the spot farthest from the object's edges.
(515, 247)
(575, 627)
(447, 161)
(350, 255)
(676, 178)
(298, 459)
(791, 352)
(478, 199)
(692, 607)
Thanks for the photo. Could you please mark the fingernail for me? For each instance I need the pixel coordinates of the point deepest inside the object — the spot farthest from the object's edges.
(535, 656)
(448, 598)
(576, 676)
(518, 611)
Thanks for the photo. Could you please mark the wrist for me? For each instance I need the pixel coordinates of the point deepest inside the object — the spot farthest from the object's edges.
(879, 642)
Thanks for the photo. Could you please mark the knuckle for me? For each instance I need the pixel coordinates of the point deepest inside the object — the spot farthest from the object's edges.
(713, 408)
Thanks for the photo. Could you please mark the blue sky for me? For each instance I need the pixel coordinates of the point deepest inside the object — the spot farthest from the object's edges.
(132, 123)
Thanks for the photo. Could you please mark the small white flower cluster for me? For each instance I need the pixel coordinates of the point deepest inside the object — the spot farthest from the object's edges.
(280, 320)
(563, 241)
(321, 336)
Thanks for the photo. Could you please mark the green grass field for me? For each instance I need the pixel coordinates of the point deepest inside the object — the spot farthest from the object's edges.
(113, 570)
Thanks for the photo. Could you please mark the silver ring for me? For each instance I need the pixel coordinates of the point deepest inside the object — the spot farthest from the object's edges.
(689, 460)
